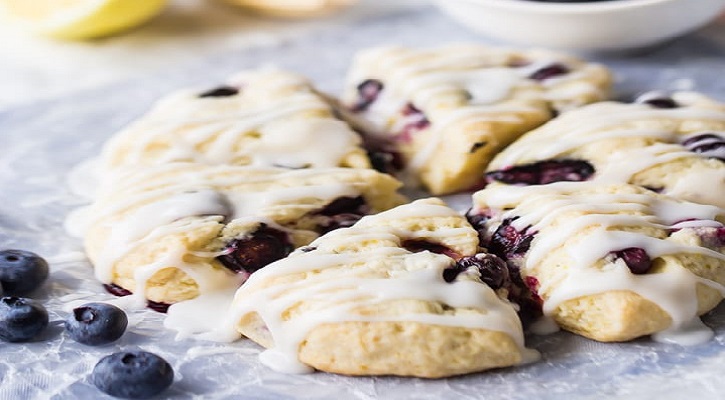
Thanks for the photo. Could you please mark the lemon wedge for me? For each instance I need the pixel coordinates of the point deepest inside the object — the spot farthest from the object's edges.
(79, 19)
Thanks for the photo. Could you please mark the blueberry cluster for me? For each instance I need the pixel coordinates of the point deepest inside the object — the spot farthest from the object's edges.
(134, 375)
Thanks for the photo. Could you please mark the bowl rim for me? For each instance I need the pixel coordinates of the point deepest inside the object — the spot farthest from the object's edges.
(572, 8)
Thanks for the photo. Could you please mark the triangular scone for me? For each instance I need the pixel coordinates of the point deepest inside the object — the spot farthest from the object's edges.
(442, 114)
(609, 262)
(672, 145)
(399, 293)
(261, 118)
(170, 232)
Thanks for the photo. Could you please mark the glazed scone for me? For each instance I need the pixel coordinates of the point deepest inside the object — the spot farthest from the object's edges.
(260, 118)
(611, 262)
(399, 293)
(170, 232)
(672, 145)
(293, 8)
(442, 114)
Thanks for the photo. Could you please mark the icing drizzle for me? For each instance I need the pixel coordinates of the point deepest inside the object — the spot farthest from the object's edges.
(364, 266)
(591, 220)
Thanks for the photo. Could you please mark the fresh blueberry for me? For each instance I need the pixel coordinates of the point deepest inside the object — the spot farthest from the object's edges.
(708, 144)
(21, 272)
(493, 271)
(544, 172)
(132, 375)
(96, 324)
(637, 259)
(222, 91)
(249, 254)
(21, 319)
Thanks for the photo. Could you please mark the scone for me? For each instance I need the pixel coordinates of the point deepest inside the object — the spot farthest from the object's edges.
(260, 118)
(399, 293)
(440, 115)
(173, 231)
(672, 145)
(611, 262)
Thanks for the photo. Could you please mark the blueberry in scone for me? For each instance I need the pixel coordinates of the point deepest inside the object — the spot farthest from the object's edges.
(670, 144)
(262, 118)
(611, 262)
(170, 232)
(441, 114)
(403, 292)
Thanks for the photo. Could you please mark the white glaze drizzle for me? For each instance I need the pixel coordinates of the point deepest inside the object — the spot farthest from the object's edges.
(276, 120)
(431, 79)
(606, 121)
(597, 218)
(340, 280)
(180, 198)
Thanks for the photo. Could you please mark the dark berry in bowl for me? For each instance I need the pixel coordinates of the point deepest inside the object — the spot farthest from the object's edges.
(21, 319)
(368, 91)
(21, 272)
(95, 324)
(132, 375)
(657, 100)
(637, 259)
(255, 251)
(222, 91)
(544, 172)
(549, 71)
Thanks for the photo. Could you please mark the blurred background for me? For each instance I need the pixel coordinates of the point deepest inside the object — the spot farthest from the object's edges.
(34, 66)
(46, 56)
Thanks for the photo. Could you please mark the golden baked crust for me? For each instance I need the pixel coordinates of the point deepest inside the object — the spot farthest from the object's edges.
(361, 301)
(161, 229)
(262, 118)
(609, 262)
(670, 150)
(448, 111)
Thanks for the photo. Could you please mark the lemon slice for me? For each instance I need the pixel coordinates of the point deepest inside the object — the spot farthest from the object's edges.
(79, 19)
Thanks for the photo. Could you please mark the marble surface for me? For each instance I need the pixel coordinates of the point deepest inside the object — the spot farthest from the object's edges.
(59, 102)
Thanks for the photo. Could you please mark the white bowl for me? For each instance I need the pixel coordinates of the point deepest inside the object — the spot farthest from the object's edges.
(595, 26)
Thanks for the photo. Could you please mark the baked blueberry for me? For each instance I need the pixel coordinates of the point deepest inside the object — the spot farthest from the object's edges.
(637, 259)
(549, 71)
(657, 100)
(132, 375)
(249, 254)
(121, 292)
(544, 172)
(419, 245)
(222, 91)
(96, 324)
(368, 91)
(21, 272)
(21, 319)
(508, 242)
